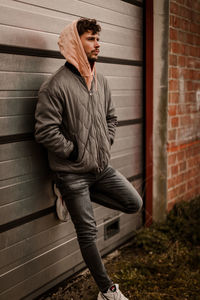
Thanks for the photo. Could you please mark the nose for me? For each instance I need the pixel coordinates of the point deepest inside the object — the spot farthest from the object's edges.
(97, 44)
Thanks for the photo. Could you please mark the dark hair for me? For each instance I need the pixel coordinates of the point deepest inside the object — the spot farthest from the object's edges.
(85, 24)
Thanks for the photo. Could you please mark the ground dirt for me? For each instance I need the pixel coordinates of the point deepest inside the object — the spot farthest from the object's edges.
(160, 262)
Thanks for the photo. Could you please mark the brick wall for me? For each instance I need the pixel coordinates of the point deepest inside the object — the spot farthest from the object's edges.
(184, 101)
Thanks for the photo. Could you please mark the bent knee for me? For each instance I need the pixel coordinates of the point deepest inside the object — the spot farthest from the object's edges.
(134, 207)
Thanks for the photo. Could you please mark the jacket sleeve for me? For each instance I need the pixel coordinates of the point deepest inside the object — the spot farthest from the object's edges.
(111, 118)
(48, 117)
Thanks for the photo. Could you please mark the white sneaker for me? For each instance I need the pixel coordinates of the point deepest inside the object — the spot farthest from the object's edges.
(61, 208)
(112, 294)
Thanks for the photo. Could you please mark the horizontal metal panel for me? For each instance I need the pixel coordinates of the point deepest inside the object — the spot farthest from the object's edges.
(129, 113)
(25, 231)
(62, 252)
(29, 64)
(27, 16)
(26, 206)
(16, 254)
(129, 164)
(22, 166)
(125, 141)
(21, 93)
(17, 190)
(18, 158)
(26, 105)
(21, 81)
(119, 70)
(16, 125)
(32, 81)
(47, 275)
(127, 98)
(13, 125)
(38, 263)
(45, 41)
(16, 150)
(17, 106)
(119, 6)
(24, 108)
(41, 65)
(35, 164)
(74, 7)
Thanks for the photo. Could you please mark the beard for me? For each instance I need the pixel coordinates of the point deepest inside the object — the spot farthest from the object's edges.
(92, 61)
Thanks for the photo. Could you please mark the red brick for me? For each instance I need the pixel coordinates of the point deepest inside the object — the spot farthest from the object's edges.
(189, 3)
(174, 72)
(182, 37)
(181, 109)
(172, 109)
(191, 184)
(180, 179)
(171, 159)
(192, 62)
(182, 166)
(173, 60)
(184, 49)
(188, 73)
(196, 85)
(180, 1)
(174, 8)
(174, 122)
(189, 86)
(189, 153)
(194, 28)
(195, 74)
(171, 135)
(190, 97)
(190, 38)
(191, 162)
(173, 33)
(174, 170)
(175, 21)
(184, 25)
(173, 85)
(185, 12)
(173, 97)
(175, 47)
(196, 6)
(181, 61)
(170, 183)
(193, 51)
(181, 156)
(196, 39)
(185, 120)
(182, 189)
(172, 194)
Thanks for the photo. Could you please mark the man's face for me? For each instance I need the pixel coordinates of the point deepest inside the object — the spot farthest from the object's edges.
(91, 45)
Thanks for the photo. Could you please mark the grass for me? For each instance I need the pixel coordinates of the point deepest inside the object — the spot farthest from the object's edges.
(160, 262)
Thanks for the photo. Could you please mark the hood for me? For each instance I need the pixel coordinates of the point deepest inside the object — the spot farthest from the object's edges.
(72, 49)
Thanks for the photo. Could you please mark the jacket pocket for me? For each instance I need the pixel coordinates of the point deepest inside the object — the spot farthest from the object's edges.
(74, 154)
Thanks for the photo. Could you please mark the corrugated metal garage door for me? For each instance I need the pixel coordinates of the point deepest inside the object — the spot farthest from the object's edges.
(36, 250)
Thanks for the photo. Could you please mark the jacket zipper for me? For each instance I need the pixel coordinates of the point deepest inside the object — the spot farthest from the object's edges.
(96, 140)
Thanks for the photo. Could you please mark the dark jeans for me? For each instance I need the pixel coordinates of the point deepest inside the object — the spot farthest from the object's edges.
(109, 188)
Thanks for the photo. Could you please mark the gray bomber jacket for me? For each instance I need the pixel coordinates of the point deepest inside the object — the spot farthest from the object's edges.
(76, 126)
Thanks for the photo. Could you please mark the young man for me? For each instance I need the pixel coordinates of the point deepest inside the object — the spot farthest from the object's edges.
(75, 121)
